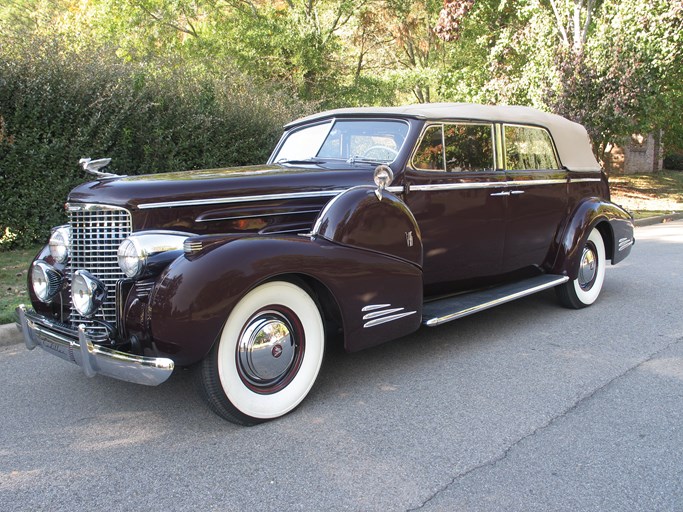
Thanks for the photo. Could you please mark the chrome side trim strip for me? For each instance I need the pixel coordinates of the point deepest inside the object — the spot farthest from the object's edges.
(486, 184)
(242, 199)
(236, 217)
(583, 180)
(332, 193)
(432, 322)
(386, 319)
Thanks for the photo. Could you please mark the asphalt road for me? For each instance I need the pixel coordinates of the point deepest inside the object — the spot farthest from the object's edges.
(525, 407)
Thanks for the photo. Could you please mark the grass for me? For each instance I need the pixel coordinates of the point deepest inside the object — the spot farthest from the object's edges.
(13, 274)
(645, 195)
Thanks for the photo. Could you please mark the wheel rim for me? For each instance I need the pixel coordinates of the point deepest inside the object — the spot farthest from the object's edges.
(588, 269)
(270, 350)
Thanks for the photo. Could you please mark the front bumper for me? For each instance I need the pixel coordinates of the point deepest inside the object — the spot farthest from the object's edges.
(75, 347)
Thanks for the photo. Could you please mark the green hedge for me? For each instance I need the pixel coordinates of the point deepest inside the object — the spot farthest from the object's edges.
(58, 105)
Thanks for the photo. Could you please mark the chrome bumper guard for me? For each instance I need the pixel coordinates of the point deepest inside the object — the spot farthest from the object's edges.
(75, 347)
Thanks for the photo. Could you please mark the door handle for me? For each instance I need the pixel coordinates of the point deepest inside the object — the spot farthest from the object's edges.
(497, 194)
(516, 192)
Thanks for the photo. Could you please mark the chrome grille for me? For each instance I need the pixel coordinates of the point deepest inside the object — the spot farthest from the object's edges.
(96, 232)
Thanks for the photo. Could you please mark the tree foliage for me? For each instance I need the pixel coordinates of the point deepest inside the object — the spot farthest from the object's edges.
(614, 65)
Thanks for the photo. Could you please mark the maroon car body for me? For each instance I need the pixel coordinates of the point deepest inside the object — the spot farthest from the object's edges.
(364, 225)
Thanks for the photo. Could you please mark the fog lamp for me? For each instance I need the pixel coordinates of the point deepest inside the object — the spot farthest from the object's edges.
(87, 293)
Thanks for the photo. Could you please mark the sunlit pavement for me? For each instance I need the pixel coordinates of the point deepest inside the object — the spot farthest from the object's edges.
(525, 407)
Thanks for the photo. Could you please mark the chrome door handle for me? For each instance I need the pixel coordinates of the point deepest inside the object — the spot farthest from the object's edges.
(496, 194)
(517, 192)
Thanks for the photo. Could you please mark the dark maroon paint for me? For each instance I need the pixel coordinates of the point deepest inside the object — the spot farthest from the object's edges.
(460, 239)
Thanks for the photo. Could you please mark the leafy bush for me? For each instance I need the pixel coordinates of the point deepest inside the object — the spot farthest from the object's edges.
(674, 162)
(58, 105)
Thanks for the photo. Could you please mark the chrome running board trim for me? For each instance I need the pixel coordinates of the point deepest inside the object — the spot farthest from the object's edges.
(445, 310)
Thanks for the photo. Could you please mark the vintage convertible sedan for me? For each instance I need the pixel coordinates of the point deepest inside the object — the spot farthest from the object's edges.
(364, 225)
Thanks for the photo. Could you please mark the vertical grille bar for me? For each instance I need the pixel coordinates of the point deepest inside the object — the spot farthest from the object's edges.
(96, 232)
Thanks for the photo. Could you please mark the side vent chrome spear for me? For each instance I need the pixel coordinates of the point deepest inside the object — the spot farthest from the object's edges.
(93, 167)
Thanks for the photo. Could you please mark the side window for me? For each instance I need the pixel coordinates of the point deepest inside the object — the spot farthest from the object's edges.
(528, 148)
(429, 154)
(469, 147)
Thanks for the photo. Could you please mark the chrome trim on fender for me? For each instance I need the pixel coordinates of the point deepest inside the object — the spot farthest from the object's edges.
(625, 243)
(93, 359)
(584, 180)
(242, 199)
(379, 314)
(372, 307)
(375, 314)
(385, 319)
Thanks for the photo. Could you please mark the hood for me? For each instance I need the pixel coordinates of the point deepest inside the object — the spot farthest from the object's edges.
(148, 191)
(254, 198)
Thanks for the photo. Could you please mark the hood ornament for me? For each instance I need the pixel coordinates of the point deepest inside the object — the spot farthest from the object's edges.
(93, 167)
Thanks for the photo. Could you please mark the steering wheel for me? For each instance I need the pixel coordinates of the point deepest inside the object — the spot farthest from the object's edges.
(392, 152)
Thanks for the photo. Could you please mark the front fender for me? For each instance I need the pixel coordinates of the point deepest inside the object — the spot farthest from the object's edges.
(358, 218)
(615, 225)
(194, 296)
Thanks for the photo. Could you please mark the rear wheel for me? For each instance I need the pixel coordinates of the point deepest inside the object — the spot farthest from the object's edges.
(584, 290)
(268, 356)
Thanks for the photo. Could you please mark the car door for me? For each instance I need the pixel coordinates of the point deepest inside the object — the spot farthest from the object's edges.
(537, 204)
(458, 198)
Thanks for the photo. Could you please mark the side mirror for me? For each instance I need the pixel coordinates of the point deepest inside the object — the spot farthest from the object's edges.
(383, 177)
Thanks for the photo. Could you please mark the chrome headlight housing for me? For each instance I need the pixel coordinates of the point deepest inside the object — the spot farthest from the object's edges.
(131, 258)
(45, 280)
(144, 252)
(87, 293)
(59, 243)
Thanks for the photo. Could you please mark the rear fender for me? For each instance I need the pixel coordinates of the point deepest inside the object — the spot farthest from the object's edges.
(614, 223)
(379, 297)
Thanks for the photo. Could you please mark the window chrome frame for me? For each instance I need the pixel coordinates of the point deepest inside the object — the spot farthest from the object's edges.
(558, 163)
(445, 171)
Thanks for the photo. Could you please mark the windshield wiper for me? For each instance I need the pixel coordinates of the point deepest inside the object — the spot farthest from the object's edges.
(301, 161)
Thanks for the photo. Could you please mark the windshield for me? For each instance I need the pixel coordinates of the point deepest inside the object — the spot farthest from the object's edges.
(352, 140)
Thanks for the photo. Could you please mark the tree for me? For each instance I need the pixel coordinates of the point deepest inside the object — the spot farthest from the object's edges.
(613, 65)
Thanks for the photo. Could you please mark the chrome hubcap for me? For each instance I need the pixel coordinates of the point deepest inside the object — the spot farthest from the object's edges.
(588, 268)
(267, 349)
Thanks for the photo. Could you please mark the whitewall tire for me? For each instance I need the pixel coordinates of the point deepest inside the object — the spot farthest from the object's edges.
(268, 355)
(585, 289)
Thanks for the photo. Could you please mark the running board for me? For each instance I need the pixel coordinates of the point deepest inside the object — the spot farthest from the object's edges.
(444, 310)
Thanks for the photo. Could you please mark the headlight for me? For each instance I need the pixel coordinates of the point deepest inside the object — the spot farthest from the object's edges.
(87, 293)
(131, 259)
(46, 281)
(59, 243)
(149, 251)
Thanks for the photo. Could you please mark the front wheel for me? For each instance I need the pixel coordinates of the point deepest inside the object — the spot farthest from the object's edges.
(268, 355)
(584, 290)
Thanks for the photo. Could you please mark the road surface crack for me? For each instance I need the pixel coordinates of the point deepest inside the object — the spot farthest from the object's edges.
(492, 462)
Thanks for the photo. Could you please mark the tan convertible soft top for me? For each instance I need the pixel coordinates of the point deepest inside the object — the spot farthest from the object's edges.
(571, 139)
